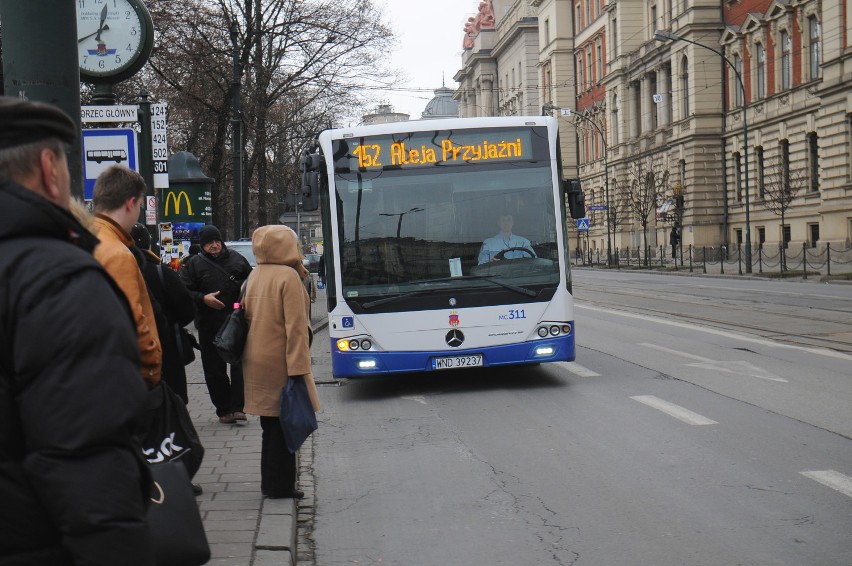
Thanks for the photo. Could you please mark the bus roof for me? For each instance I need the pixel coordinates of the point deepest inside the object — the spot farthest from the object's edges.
(432, 125)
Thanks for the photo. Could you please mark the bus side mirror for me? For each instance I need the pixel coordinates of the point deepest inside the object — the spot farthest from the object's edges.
(310, 164)
(576, 198)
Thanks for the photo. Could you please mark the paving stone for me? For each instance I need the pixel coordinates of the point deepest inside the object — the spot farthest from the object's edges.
(273, 558)
(275, 532)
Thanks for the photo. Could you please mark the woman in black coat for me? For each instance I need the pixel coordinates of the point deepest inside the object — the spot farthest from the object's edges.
(173, 307)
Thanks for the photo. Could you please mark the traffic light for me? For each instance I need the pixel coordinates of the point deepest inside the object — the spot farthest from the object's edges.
(576, 198)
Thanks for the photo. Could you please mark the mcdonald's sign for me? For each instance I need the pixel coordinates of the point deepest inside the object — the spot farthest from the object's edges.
(186, 203)
(175, 199)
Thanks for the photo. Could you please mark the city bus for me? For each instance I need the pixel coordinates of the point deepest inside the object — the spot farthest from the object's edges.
(421, 274)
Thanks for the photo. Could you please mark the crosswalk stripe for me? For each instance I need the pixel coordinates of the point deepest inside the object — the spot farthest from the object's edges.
(673, 410)
(577, 369)
(832, 479)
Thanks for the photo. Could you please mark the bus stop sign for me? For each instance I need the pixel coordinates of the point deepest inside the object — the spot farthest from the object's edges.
(104, 147)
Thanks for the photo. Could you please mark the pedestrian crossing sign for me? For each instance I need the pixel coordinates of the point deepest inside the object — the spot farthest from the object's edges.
(582, 224)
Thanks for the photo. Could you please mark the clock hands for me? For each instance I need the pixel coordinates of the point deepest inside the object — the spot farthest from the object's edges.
(101, 28)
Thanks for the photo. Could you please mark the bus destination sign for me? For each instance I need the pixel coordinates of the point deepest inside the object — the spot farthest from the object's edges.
(444, 148)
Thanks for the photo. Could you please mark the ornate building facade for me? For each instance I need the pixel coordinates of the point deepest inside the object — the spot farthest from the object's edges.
(727, 120)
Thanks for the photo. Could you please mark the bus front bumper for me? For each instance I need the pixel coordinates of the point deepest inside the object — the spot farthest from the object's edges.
(361, 363)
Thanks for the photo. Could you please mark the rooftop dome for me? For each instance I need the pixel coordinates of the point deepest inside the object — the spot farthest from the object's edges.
(442, 106)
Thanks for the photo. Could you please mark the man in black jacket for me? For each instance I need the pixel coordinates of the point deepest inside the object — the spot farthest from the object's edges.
(73, 485)
(214, 277)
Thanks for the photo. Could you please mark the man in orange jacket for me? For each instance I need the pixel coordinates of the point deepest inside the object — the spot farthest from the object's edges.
(118, 197)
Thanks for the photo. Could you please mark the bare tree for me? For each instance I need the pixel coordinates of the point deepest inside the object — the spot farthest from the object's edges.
(303, 64)
(620, 212)
(648, 180)
(781, 185)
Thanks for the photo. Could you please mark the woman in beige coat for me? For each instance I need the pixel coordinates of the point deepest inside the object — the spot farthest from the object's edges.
(276, 306)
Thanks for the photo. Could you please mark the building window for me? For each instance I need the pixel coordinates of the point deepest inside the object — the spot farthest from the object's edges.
(814, 45)
(682, 172)
(761, 71)
(654, 107)
(588, 12)
(738, 176)
(589, 76)
(813, 233)
(613, 33)
(616, 120)
(849, 144)
(761, 171)
(546, 32)
(739, 236)
(761, 236)
(581, 80)
(784, 146)
(684, 85)
(786, 63)
(786, 235)
(579, 21)
(735, 83)
(654, 18)
(599, 57)
(813, 162)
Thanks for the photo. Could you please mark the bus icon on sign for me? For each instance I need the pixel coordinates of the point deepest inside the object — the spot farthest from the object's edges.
(100, 155)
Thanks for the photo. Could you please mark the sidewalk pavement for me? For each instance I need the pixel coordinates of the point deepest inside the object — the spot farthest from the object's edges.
(243, 528)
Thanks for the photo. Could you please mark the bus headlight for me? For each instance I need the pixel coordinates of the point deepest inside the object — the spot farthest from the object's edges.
(343, 345)
(366, 344)
(354, 344)
(554, 330)
(542, 331)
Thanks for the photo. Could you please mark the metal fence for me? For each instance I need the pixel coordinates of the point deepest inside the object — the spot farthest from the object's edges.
(771, 261)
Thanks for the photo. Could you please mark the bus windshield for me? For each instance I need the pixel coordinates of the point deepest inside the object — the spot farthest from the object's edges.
(459, 228)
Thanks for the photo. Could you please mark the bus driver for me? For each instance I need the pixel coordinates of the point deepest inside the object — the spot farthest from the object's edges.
(505, 240)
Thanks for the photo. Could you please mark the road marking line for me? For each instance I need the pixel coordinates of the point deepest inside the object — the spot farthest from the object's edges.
(734, 335)
(673, 410)
(676, 352)
(739, 368)
(832, 479)
(577, 369)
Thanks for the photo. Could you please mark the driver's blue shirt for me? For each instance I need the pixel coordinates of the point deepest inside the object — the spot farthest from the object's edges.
(496, 244)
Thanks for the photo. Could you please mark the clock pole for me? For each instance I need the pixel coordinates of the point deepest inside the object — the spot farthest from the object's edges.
(43, 67)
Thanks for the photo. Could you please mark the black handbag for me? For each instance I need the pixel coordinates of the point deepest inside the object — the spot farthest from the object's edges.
(186, 343)
(298, 418)
(168, 432)
(174, 521)
(230, 341)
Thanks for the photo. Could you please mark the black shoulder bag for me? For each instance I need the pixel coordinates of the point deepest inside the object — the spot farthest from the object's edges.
(186, 342)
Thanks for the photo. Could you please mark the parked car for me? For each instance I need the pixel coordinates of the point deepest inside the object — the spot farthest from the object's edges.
(312, 262)
(243, 247)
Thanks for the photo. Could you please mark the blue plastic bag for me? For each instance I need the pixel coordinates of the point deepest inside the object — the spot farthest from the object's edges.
(298, 418)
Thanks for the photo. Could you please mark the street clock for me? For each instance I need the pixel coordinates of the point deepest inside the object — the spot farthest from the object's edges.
(114, 39)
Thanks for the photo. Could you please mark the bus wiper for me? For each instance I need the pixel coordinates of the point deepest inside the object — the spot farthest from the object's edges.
(490, 278)
(392, 298)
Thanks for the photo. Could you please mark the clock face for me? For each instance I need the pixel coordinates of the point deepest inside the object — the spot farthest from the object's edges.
(112, 37)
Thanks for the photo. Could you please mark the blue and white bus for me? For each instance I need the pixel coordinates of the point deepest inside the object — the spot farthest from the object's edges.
(422, 273)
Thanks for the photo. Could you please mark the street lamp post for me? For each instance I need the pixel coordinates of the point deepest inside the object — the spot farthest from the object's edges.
(664, 36)
(569, 112)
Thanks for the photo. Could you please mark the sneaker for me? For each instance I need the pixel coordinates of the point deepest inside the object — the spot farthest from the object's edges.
(228, 419)
(240, 416)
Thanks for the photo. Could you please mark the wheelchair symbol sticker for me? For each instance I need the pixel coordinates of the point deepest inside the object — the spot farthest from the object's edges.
(348, 321)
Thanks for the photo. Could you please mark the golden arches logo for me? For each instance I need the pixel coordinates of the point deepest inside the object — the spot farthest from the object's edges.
(175, 199)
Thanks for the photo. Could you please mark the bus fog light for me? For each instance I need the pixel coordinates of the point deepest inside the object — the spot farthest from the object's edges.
(366, 344)
(367, 364)
(566, 329)
(542, 331)
(544, 351)
(343, 345)
(554, 330)
(354, 345)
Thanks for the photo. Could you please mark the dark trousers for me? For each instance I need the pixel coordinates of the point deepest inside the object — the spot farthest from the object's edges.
(277, 465)
(226, 394)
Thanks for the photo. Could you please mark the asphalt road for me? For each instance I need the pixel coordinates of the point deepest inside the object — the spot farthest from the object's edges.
(678, 437)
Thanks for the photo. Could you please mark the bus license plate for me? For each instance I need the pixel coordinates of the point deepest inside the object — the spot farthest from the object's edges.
(451, 362)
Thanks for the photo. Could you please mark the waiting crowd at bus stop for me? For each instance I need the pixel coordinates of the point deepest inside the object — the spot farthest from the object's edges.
(92, 327)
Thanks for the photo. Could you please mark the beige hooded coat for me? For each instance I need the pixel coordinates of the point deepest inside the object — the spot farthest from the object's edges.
(277, 307)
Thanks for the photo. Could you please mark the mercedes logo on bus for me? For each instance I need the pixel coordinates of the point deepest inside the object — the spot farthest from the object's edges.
(455, 338)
